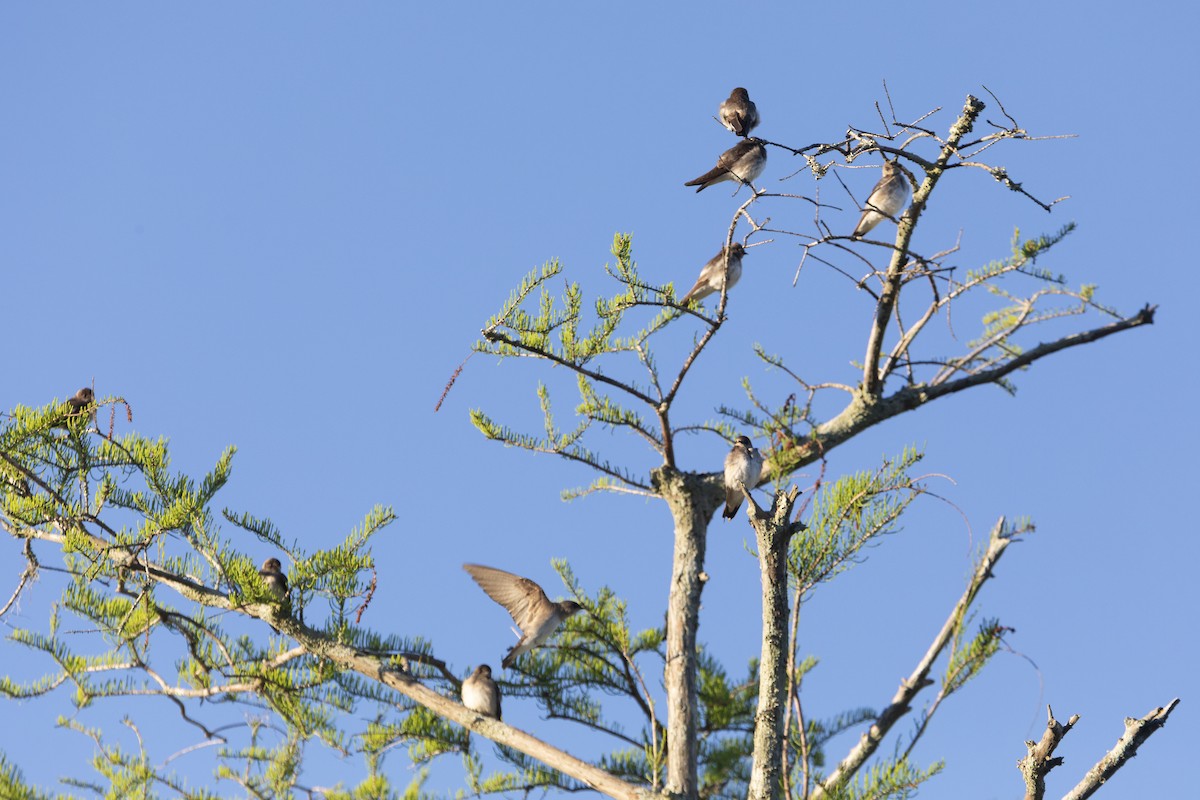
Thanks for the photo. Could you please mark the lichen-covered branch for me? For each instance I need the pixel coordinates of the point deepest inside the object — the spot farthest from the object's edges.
(1137, 731)
(864, 411)
(693, 500)
(773, 531)
(872, 383)
(1040, 759)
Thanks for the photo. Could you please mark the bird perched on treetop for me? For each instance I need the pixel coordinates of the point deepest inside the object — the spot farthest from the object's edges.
(743, 162)
(480, 693)
(743, 467)
(533, 612)
(738, 113)
(78, 407)
(886, 201)
(272, 575)
(713, 274)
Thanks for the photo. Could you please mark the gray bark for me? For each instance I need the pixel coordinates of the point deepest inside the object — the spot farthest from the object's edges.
(773, 532)
(693, 499)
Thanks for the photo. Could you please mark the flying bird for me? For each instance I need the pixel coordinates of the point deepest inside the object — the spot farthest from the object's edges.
(713, 274)
(739, 113)
(480, 693)
(272, 575)
(533, 612)
(743, 162)
(743, 467)
(886, 201)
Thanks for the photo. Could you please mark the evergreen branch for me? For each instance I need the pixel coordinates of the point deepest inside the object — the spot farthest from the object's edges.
(323, 646)
(552, 446)
(869, 742)
(891, 779)
(599, 377)
(604, 485)
(964, 664)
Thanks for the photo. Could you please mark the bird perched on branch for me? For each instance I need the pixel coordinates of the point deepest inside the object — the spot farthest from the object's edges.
(713, 274)
(528, 605)
(743, 467)
(79, 408)
(887, 199)
(480, 693)
(272, 575)
(743, 162)
(738, 113)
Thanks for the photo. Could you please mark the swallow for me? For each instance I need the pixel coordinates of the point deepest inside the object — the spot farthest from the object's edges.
(713, 274)
(19, 485)
(480, 693)
(78, 407)
(743, 467)
(528, 605)
(743, 162)
(738, 113)
(272, 575)
(887, 199)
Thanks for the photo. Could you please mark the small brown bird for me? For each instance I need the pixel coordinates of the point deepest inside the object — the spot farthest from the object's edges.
(480, 693)
(79, 406)
(743, 467)
(272, 575)
(743, 162)
(712, 275)
(738, 113)
(19, 485)
(887, 199)
(528, 605)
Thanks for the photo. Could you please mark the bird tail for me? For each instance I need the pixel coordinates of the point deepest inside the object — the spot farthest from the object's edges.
(707, 179)
(513, 652)
(730, 511)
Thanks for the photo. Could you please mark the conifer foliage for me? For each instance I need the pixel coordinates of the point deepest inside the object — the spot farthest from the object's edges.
(157, 574)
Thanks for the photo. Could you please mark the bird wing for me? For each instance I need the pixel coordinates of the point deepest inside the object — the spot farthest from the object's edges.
(697, 292)
(713, 175)
(734, 119)
(733, 154)
(727, 114)
(521, 597)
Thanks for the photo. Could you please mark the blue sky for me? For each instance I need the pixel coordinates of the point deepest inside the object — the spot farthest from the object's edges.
(282, 227)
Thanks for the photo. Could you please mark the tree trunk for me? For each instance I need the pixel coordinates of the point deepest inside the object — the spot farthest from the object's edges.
(773, 532)
(693, 499)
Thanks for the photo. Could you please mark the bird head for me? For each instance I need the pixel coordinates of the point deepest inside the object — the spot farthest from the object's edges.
(86, 394)
(272, 565)
(483, 670)
(571, 607)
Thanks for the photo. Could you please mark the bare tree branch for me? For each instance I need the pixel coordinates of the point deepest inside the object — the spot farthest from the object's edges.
(1136, 732)
(919, 679)
(872, 378)
(1041, 759)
